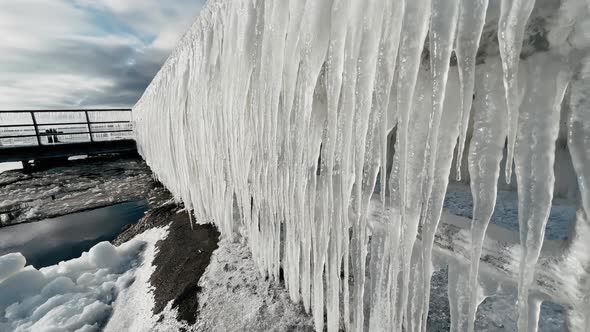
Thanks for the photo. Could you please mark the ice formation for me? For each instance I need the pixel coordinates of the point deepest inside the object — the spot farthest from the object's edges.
(300, 113)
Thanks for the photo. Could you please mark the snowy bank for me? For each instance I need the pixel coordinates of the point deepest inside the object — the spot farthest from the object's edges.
(75, 295)
(196, 283)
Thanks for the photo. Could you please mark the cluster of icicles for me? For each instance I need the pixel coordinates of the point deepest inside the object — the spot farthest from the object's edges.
(284, 111)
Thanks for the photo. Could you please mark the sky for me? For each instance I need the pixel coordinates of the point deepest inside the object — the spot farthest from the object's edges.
(57, 54)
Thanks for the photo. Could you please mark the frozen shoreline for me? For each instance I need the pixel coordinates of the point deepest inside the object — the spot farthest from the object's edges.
(78, 186)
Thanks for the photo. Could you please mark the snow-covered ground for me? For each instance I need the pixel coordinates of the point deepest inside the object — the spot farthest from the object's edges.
(10, 166)
(80, 294)
(236, 297)
(232, 295)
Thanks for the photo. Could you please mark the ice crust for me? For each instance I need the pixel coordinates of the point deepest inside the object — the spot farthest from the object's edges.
(301, 113)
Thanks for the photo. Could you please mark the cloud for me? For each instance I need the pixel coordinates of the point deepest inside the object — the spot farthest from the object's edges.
(85, 53)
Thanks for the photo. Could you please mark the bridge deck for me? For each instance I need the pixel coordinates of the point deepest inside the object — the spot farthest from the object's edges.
(38, 152)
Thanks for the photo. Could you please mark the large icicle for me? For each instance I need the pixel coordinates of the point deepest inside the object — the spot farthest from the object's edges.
(485, 154)
(535, 155)
(414, 31)
(514, 15)
(393, 18)
(447, 140)
(422, 105)
(415, 27)
(579, 147)
(329, 183)
(472, 15)
(443, 24)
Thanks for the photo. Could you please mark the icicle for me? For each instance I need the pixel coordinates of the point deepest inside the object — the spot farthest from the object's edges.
(535, 154)
(414, 31)
(415, 27)
(513, 19)
(330, 186)
(422, 106)
(447, 139)
(442, 36)
(485, 154)
(366, 154)
(579, 131)
(579, 147)
(390, 38)
(472, 14)
(443, 24)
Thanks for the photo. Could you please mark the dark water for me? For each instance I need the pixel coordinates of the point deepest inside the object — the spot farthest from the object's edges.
(51, 241)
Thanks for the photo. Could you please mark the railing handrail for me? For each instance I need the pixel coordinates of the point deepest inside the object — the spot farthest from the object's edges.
(70, 110)
(87, 123)
(62, 123)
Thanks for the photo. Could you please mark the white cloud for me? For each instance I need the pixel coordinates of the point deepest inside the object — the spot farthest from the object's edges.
(72, 53)
(161, 19)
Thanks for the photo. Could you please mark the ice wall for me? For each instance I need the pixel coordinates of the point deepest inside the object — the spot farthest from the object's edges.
(284, 109)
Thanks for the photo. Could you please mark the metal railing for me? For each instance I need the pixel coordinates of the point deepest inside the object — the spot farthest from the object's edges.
(52, 134)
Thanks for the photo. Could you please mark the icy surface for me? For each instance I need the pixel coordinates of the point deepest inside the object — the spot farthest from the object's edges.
(296, 112)
(80, 185)
(75, 295)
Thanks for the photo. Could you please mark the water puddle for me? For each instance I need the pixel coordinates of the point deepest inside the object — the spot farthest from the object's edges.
(50, 241)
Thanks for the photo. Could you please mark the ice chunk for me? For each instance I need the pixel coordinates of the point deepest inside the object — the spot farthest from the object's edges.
(11, 264)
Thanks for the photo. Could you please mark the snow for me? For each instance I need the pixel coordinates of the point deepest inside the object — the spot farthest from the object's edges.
(232, 287)
(132, 310)
(233, 296)
(284, 110)
(11, 264)
(75, 295)
(7, 166)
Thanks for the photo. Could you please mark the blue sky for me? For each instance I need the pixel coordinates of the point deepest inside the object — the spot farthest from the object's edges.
(85, 53)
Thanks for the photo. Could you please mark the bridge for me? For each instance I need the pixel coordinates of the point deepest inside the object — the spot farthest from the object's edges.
(57, 134)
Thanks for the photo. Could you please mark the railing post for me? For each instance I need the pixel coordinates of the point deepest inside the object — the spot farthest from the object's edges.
(89, 128)
(36, 128)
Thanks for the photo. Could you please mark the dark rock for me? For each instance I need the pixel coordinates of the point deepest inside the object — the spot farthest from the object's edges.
(181, 260)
